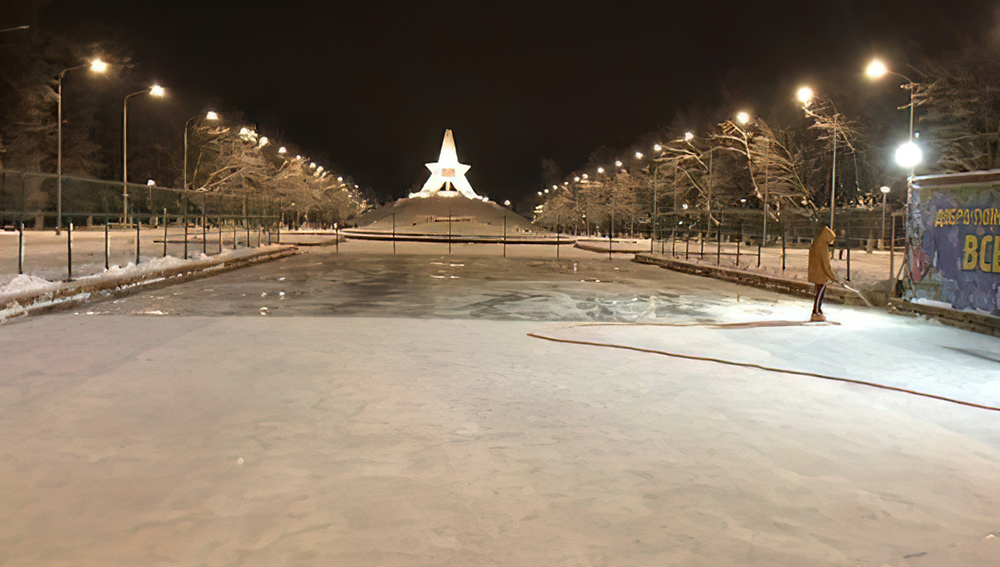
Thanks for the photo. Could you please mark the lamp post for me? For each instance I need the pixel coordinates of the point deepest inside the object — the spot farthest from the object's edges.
(885, 193)
(806, 96)
(154, 90)
(97, 66)
(877, 69)
(208, 116)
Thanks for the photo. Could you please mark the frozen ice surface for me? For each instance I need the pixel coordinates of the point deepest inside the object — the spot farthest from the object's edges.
(384, 417)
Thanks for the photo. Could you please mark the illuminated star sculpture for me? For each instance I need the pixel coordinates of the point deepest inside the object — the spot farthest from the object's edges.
(447, 174)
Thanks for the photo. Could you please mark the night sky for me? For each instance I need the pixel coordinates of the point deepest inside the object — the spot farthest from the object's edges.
(373, 85)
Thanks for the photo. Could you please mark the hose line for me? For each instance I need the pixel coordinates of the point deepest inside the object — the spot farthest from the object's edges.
(764, 368)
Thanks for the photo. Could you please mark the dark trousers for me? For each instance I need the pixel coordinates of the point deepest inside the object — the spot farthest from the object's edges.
(818, 302)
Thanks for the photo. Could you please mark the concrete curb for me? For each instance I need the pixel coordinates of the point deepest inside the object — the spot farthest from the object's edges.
(798, 288)
(70, 293)
(977, 322)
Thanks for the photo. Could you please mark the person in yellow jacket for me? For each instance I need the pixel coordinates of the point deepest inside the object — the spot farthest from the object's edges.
(820, 271)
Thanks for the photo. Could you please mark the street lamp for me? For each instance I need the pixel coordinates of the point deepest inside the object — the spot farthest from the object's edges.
(96, 66)
(688, 136)
(885, 193)
(877, 69)
(157, 91)
(600, 170)
(208, 116)
(743, 118)
(805, 95)
(909, 155)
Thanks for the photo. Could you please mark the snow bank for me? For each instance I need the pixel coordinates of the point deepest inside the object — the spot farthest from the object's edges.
(24, 283)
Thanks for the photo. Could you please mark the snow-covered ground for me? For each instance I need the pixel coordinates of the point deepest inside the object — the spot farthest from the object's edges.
(363, 408)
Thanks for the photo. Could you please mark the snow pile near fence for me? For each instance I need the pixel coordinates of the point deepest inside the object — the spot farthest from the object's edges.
(27, 292)
(24, 283)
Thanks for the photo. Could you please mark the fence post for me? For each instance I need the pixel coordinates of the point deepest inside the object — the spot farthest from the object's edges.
(673, 239)
(69, 251)
(20, 247)
(185, 227)
(235, 236)
(701, 254)
(107, 239)
(718, 239)
(847, 243)
(892, 258)
(738, 242)
(449, 229)
(138, 235)
(204, 226)
(687, 243)
(246, 219)
(165, 221)
(220, 238)
(781, 224)
(557, 237)
(505, 234)
(393, 233)
(337, 238)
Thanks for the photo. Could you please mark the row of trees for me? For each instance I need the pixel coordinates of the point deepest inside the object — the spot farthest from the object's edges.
(838, 143)
(225, 155)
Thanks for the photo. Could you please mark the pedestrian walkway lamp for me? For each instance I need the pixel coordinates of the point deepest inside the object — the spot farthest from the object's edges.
(885, 194)
(96, 66)
(157, 91)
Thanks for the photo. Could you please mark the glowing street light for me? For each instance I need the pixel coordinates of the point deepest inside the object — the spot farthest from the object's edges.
(340, 179)
(576, 179)
(688, 136)
(876, 69)
(743, 118)
(600, 170)
(638, 155)
(157, 90)
(618, 163)
(282, 150)
(584, 176)
(657, 148)
(805, 95)
(909, 155)
(208, 116)
(97, 66)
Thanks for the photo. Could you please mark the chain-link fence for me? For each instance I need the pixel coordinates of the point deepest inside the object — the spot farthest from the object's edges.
(82, 226)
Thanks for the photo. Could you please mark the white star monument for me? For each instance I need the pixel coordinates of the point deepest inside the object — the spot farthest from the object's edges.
(447, 175)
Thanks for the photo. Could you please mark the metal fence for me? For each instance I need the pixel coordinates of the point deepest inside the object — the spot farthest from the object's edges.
(106, 223)
(740, 237)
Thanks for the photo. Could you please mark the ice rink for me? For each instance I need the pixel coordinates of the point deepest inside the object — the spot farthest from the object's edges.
(365, 408)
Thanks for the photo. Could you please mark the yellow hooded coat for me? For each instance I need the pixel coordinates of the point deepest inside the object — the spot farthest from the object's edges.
(820, 271)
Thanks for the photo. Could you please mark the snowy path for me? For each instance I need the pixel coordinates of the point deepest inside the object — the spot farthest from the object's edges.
(406, 422)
